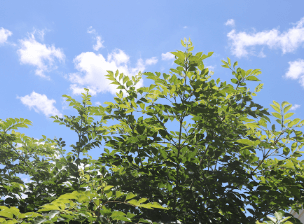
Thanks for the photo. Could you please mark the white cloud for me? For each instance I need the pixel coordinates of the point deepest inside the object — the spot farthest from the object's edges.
(185, 27)
(4, 34)
(92, 70)
(261, 54)
(99, 43)
(151, 61)
(287, 41)
(91, 30)
(40, 103)
(167, 56)
(39, 55)
(230, 22)
(294, 107)
(119, 57)
(296, 70)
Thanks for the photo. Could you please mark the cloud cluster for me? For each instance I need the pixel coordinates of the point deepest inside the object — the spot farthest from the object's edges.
(40, 103)
(92, 70)
(39, 55)
(99, 43)
(4, 34)
(287, 41)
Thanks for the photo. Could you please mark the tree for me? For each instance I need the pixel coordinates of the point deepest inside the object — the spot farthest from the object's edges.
(187, 142)
(49, 199)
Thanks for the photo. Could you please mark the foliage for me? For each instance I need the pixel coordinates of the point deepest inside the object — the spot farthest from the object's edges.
(277, 220)
(79, 204)
(186, 142)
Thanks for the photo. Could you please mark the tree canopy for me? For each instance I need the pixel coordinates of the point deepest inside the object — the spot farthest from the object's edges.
(182, 150)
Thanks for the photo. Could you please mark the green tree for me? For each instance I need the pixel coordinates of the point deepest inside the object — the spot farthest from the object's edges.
(193, 145)
(186, 142)
(49, 198)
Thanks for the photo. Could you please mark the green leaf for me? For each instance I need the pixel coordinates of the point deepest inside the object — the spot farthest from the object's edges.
(289, 164)
(245, 141)
(129, 83)
(248, 72)
(256, 72)
(48, 207)
(286, 151)
(117, 213)
(118, 194)
(142, 106)
(6, 214)
(108, 187)
(120, 76)
(225, 66)
(287, 108)
(277, 115)
(277, 104)
(218, 81)
(134, 202)
(190, 49)
(142, 200)
(243, 73)
(235, 64)
(295, 191)
(130, 195)
(252, 78)
(229, 62)
(183, 43)
(259, 87)
(125, 79)
(278, 215)
(275, 108)
(294, 122)
(235, 81)
(294, 146)
(284, 103)
(288, 115)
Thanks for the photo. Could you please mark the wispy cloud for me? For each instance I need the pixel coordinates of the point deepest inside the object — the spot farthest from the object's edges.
(287, 41)
(151, 61)
(92, 70)
(230, 22)
(167, 56)
(294, 107)
(296, 70)
(99, 42)
(210, 67)
(40, 103)
(39, 55)
(4, 34)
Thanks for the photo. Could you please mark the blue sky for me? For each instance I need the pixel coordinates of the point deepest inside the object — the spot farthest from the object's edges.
(51, 48)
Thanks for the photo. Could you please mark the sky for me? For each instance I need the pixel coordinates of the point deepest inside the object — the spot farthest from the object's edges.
(51, 48)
